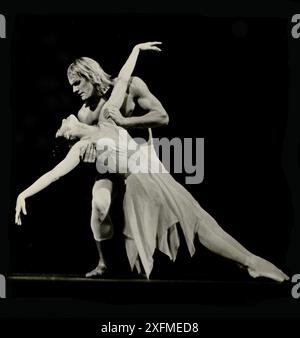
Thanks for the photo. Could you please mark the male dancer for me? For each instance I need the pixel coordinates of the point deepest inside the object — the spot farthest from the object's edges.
(140, 109)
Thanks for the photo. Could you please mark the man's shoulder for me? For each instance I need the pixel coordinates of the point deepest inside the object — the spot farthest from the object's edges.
(135, 80)
(82, 110)
(136, 85)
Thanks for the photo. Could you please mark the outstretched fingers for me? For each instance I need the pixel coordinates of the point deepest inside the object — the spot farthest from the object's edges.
(18, 216)
(150, 46)
(154, 45)
(20, 207)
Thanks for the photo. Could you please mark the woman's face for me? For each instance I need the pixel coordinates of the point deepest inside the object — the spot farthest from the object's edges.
(67, 126)
(83, 87)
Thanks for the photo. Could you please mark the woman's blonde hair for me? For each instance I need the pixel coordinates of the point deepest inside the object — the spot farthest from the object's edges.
(92, 71)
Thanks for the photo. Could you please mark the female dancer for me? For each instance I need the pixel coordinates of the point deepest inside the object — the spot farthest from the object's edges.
(154, 203)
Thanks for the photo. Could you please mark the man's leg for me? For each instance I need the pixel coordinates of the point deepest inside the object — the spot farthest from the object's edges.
(100, 221)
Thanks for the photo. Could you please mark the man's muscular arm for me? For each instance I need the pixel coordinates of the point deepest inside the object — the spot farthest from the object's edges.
(155, 114)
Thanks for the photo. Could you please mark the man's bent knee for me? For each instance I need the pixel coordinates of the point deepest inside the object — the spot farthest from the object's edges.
(102, 230)
(104, 184)
(101, 204)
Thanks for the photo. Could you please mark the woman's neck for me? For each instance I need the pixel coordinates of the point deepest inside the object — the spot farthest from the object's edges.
(82, 130)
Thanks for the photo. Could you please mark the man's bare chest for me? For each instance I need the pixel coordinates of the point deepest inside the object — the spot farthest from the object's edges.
(89, 116)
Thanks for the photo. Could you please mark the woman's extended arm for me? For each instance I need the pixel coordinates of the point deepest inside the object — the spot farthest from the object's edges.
(66, 165)
(118, 94)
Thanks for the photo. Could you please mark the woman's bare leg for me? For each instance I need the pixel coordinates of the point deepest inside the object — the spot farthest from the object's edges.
(214, 238)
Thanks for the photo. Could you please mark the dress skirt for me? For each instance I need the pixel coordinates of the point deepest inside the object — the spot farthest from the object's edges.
(153, 205)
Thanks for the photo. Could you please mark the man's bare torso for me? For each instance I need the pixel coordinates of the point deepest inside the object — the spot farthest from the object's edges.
(89, 116)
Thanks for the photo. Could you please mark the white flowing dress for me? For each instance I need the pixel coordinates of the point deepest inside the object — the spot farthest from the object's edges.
(154, 202)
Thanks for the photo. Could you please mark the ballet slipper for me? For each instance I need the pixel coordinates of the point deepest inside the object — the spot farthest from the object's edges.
(259, 267)
(99, 271)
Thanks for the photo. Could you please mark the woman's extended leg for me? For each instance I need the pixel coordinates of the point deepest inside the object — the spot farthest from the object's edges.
(214, 238)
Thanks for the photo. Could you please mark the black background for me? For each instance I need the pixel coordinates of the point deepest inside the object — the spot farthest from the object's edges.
(227, 74)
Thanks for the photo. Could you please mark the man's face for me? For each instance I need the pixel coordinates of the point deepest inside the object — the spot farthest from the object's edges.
(81, 86)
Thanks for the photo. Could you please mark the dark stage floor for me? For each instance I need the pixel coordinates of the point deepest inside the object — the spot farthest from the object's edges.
(120, 291)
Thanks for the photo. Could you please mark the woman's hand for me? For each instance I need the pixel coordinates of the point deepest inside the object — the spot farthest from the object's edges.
(115, 114)
(20, 206)
(89, 153)
(149, 46)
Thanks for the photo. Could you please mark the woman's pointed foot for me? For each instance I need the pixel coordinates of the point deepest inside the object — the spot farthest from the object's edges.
(260, 267)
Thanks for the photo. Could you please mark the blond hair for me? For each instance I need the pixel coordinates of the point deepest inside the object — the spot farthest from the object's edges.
(92, 71)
